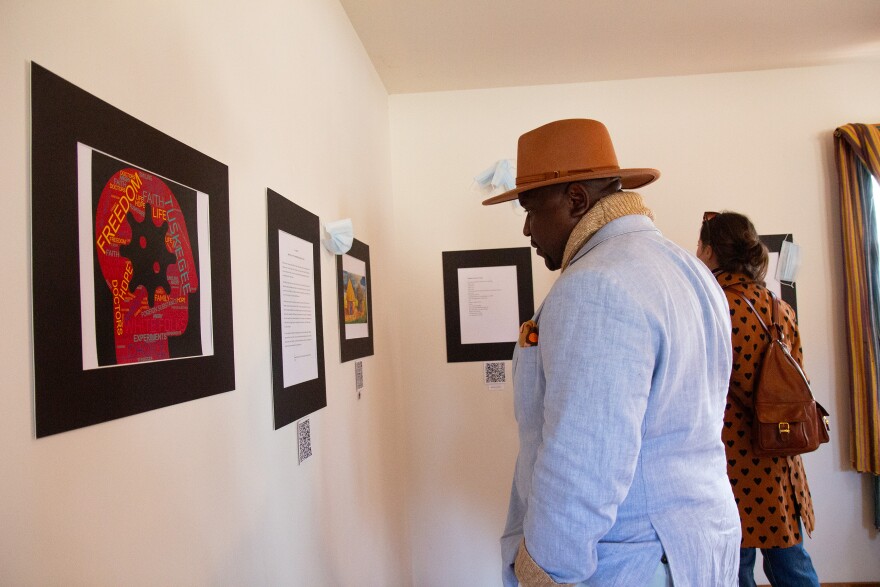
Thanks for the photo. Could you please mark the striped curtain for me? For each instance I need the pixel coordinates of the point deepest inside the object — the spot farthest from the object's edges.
(857, 152)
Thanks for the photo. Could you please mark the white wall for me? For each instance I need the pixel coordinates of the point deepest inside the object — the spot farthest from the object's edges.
(758, 143)
(408, 486)
(207, 492)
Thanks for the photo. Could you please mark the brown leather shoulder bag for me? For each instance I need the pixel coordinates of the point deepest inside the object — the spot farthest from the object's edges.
(788, 421)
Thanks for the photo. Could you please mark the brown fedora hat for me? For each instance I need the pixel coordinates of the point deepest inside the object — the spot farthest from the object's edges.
(569, 150)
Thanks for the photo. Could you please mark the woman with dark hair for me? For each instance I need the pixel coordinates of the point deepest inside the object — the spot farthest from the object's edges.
(771, 492)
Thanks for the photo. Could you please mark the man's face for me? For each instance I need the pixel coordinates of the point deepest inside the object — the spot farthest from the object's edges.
(549, 221)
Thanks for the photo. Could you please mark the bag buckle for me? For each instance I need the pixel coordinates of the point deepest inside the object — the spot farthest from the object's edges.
(784, 429)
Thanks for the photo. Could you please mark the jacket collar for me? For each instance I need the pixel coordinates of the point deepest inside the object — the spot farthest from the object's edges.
(620, 226)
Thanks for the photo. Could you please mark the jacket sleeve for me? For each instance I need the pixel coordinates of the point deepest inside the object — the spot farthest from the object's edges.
(599, 351)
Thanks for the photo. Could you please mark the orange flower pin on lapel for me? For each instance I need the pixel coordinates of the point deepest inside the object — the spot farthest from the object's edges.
(528, 334)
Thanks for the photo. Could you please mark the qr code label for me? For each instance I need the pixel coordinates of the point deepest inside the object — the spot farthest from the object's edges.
(304, 440)
(359, 377)
(495, 375)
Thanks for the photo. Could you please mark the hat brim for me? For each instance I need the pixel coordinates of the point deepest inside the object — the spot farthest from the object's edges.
(630, 179)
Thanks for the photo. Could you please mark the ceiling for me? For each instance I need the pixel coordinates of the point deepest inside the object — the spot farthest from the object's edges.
(436, 45)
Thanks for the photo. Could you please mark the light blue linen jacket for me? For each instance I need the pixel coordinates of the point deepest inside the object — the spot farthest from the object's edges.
(620, 408)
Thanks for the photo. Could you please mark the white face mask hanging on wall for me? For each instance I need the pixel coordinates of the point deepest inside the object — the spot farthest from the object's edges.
(789, 262)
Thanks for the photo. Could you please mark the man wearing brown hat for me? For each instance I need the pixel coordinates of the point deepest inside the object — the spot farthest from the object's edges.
(620, 382)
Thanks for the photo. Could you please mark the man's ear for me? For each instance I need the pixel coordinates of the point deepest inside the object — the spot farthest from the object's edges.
(578, 199)
(583, 195)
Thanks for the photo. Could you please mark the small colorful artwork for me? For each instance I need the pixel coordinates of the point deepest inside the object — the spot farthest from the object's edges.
(354, 304)
(355, 297)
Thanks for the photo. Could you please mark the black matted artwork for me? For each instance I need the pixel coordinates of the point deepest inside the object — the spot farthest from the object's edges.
(459, 348)
(355, 302)
(132, 302)
(774, 245)
(298, 382)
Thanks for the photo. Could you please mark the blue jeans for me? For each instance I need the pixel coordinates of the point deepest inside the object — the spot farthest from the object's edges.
(784, 567)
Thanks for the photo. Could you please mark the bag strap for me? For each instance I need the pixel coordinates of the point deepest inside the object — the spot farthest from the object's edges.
(774, 317)
(777, 332)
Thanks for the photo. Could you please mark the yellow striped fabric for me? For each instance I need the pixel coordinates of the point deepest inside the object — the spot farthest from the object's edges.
(857, 147)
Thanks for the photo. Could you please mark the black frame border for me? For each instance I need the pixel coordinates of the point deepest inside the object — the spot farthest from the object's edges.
(773, 242)
(65, 396)
(521, 257)
(296, 401)
(355, 348)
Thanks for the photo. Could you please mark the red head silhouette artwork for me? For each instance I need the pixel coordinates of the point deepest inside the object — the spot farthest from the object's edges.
(147, 262)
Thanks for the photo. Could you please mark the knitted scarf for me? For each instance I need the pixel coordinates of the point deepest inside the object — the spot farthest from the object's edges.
(607, 209)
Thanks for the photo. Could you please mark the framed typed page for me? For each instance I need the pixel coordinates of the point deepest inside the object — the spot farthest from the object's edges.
(299, 386)
(487, 295)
